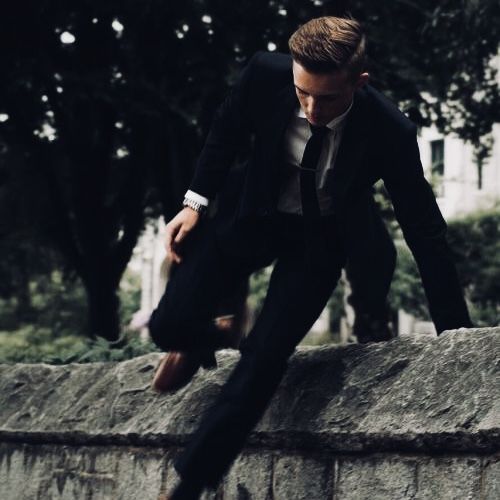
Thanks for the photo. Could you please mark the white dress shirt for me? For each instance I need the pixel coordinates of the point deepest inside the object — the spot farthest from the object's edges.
(296, 137)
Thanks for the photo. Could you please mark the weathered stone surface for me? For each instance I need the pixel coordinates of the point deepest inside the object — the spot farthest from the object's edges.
(407, 393)
(250, 477)
(60, 472)
(71, 473)
(302, 478)
(396, 476)
(449, 478)
(410, 418)
(172, 479)
(376, 478)
(491, 479)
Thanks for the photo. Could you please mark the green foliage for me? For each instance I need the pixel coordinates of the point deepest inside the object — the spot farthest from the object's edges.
(56, 303)
(336, 308)
(130, 296)
(30, 344)
(104, 131)
(475, 242)
(89, 145)
(58, 332)
(406, 288)
(259, 281)
(436, 59)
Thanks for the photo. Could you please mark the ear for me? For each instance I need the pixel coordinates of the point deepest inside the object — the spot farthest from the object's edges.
(362, 80)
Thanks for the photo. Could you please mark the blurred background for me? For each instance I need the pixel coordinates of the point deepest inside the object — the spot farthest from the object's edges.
(104, 107)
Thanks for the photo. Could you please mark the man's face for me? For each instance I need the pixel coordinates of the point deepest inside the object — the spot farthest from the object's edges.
(323, 96)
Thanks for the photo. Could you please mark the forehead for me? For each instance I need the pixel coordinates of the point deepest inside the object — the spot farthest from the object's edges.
(319, 83)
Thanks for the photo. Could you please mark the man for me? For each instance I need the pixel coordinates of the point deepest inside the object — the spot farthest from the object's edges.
(319, 137)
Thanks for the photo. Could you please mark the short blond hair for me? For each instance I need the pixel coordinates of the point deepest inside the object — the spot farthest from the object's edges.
(329, 43)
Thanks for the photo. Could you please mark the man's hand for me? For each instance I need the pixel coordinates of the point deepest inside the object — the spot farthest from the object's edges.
(177, 229)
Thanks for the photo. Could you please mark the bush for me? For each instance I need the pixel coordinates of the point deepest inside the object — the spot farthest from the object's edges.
(30, 344)
(406, 291)
(475, 243)
(475, 240)
(57, 332)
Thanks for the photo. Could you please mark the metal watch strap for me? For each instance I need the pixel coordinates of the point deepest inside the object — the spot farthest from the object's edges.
(194, 205)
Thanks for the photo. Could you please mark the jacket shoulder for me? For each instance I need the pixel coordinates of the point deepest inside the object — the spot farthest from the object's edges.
(271, 68)
(275, 62)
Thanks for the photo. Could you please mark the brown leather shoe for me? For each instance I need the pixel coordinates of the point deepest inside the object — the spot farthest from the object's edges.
(175, 370)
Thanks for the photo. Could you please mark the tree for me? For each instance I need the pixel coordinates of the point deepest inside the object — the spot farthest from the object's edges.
(92, 145)
(105, 106)
(475, 240)
(437, 60)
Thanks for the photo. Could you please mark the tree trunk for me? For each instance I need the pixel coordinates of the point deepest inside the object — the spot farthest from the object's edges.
(103, 310)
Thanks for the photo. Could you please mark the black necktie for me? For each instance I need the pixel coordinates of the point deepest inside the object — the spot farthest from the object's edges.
(314, 244)
(308, 166)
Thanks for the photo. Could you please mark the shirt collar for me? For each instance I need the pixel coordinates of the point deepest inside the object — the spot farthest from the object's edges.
(333, 123)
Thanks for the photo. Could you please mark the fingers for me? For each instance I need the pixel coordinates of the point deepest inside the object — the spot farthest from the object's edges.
(174, 236)
(175, 244)
(168, 239)
(176, 231)
(170, 242)
(180, 235)
(176, 257)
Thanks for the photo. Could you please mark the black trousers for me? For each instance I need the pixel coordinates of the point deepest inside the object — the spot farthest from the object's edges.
(299, 289)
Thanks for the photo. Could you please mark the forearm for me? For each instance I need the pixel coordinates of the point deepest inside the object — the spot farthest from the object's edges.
(440, 280)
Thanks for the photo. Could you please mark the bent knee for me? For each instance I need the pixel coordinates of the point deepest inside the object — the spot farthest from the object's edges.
(164, 327)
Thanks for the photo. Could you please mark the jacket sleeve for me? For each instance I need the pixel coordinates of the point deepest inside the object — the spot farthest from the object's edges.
(424, 230)
(229, 129)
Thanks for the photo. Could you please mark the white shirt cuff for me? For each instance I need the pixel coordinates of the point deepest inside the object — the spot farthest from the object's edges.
(197, 197)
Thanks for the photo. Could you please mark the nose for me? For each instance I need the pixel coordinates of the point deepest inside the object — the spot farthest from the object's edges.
(312, 106)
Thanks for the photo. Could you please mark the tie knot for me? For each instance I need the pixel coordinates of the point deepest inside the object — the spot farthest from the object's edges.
(315, 129)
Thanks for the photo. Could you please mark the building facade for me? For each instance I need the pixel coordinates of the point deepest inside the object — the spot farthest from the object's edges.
(461, 187)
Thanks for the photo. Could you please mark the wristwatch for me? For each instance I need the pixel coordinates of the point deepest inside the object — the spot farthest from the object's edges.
(195, 205)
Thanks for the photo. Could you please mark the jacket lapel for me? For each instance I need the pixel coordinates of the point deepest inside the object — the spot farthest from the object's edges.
(286, 102)
(351, 150)
(273, 137)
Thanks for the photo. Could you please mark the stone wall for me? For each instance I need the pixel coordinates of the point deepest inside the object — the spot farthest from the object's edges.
(411, 418)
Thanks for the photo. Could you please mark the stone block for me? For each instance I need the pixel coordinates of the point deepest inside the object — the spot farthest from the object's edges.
(249, 478)
(491, 479)
(449, 478)
(302, 478)
(375, 478)
(408, 418)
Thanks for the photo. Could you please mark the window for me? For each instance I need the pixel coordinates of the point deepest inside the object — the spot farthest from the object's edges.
(479, 174)
(437, 166)
(437, 157)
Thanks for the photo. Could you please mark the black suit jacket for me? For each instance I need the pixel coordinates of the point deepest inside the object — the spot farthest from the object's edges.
(379, 142)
